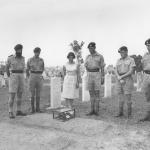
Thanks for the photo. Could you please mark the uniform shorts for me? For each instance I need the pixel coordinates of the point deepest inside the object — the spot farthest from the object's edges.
(16, 83)
(126, 87)
(93, 81)
(35, 83)
(146, 83)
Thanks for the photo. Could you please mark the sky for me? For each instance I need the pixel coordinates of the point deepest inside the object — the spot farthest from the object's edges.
(53, 24)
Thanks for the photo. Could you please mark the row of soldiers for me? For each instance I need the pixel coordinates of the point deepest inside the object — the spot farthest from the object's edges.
(125, 66)
(15, 68)
(94, 64)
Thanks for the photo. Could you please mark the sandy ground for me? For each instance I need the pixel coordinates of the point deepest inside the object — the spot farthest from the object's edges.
(105, 132)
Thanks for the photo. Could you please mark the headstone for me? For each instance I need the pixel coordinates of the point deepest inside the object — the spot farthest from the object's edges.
(107, 85)
(85, 92)
(139, 81)
(55, 92)
(2, 81)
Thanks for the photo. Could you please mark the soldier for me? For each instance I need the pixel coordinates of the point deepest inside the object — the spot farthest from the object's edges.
(124, 69)
(15, 68)
(35, 68)
(94, 65)
(146, 79)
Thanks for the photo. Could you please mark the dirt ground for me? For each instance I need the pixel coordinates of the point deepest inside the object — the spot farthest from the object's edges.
(105, 132)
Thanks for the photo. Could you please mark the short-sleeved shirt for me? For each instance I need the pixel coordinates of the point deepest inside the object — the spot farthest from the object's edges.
(35, 64)
(146, 61)
(15, 63)
(94, 61)
(124, 65)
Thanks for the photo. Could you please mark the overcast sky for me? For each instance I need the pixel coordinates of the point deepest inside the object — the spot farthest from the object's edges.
(53, 24)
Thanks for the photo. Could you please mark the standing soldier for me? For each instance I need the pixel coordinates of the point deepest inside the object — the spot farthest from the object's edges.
(124, 69)
(35, 68)
(146, 79)
(94, 64)
(15, 68)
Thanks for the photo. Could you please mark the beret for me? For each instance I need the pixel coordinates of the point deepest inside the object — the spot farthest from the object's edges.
(92, 44)
(18, 46)
(147, 42)
(37, 49)
(123, 48)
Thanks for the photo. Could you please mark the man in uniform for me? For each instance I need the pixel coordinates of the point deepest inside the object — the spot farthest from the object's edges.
(146, 79)
(35, 68)
(15, 68)
(124, 69)
(94, 65)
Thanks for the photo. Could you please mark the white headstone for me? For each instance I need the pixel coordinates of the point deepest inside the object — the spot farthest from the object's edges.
(139, 81)
(55, 92)
(85, 92)
(107, 85)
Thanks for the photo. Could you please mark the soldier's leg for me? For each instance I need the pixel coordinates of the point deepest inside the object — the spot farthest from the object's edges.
(39, 82)
(129, 105)
(147, 96)
(32, 101)
(97, 100)
(92, 100)
(121, 105)
(32, 91)
(10, 104)
(19, 101)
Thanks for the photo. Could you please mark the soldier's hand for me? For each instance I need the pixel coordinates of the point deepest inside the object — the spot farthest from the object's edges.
(102, 80)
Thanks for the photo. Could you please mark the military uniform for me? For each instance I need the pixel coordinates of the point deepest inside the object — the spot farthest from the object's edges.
(36, 68)
(146, 79)
(94, 65)
(16, 80)
(123, 66)
(124, 69)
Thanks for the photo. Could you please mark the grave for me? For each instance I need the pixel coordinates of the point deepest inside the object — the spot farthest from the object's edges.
(85, 92)
(55, 92)
(108, 85)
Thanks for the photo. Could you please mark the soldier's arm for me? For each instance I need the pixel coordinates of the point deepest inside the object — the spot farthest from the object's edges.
(102, 66)
(131, 69)
(43, 66)
(7, 67)
(28, 69)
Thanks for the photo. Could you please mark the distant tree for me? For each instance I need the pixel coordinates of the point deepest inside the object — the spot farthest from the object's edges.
(138, 63)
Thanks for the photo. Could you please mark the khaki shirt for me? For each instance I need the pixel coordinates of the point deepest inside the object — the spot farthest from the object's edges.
(94, 61)
(146, 61)
(124, 65)
(15, 63)
(35, 64)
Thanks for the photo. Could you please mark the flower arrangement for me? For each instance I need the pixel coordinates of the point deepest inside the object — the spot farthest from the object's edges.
(76, 47)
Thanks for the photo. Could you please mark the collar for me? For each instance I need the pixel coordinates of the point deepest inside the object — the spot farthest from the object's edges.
(95, 54)
(124, 58)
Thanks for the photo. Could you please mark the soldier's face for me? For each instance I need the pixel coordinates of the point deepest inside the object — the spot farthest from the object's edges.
(36, 54)
(92, 50)
(123, 54)
(19, 52)
(148, 47)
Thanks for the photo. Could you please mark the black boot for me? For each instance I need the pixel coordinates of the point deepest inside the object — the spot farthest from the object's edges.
(32, 105)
